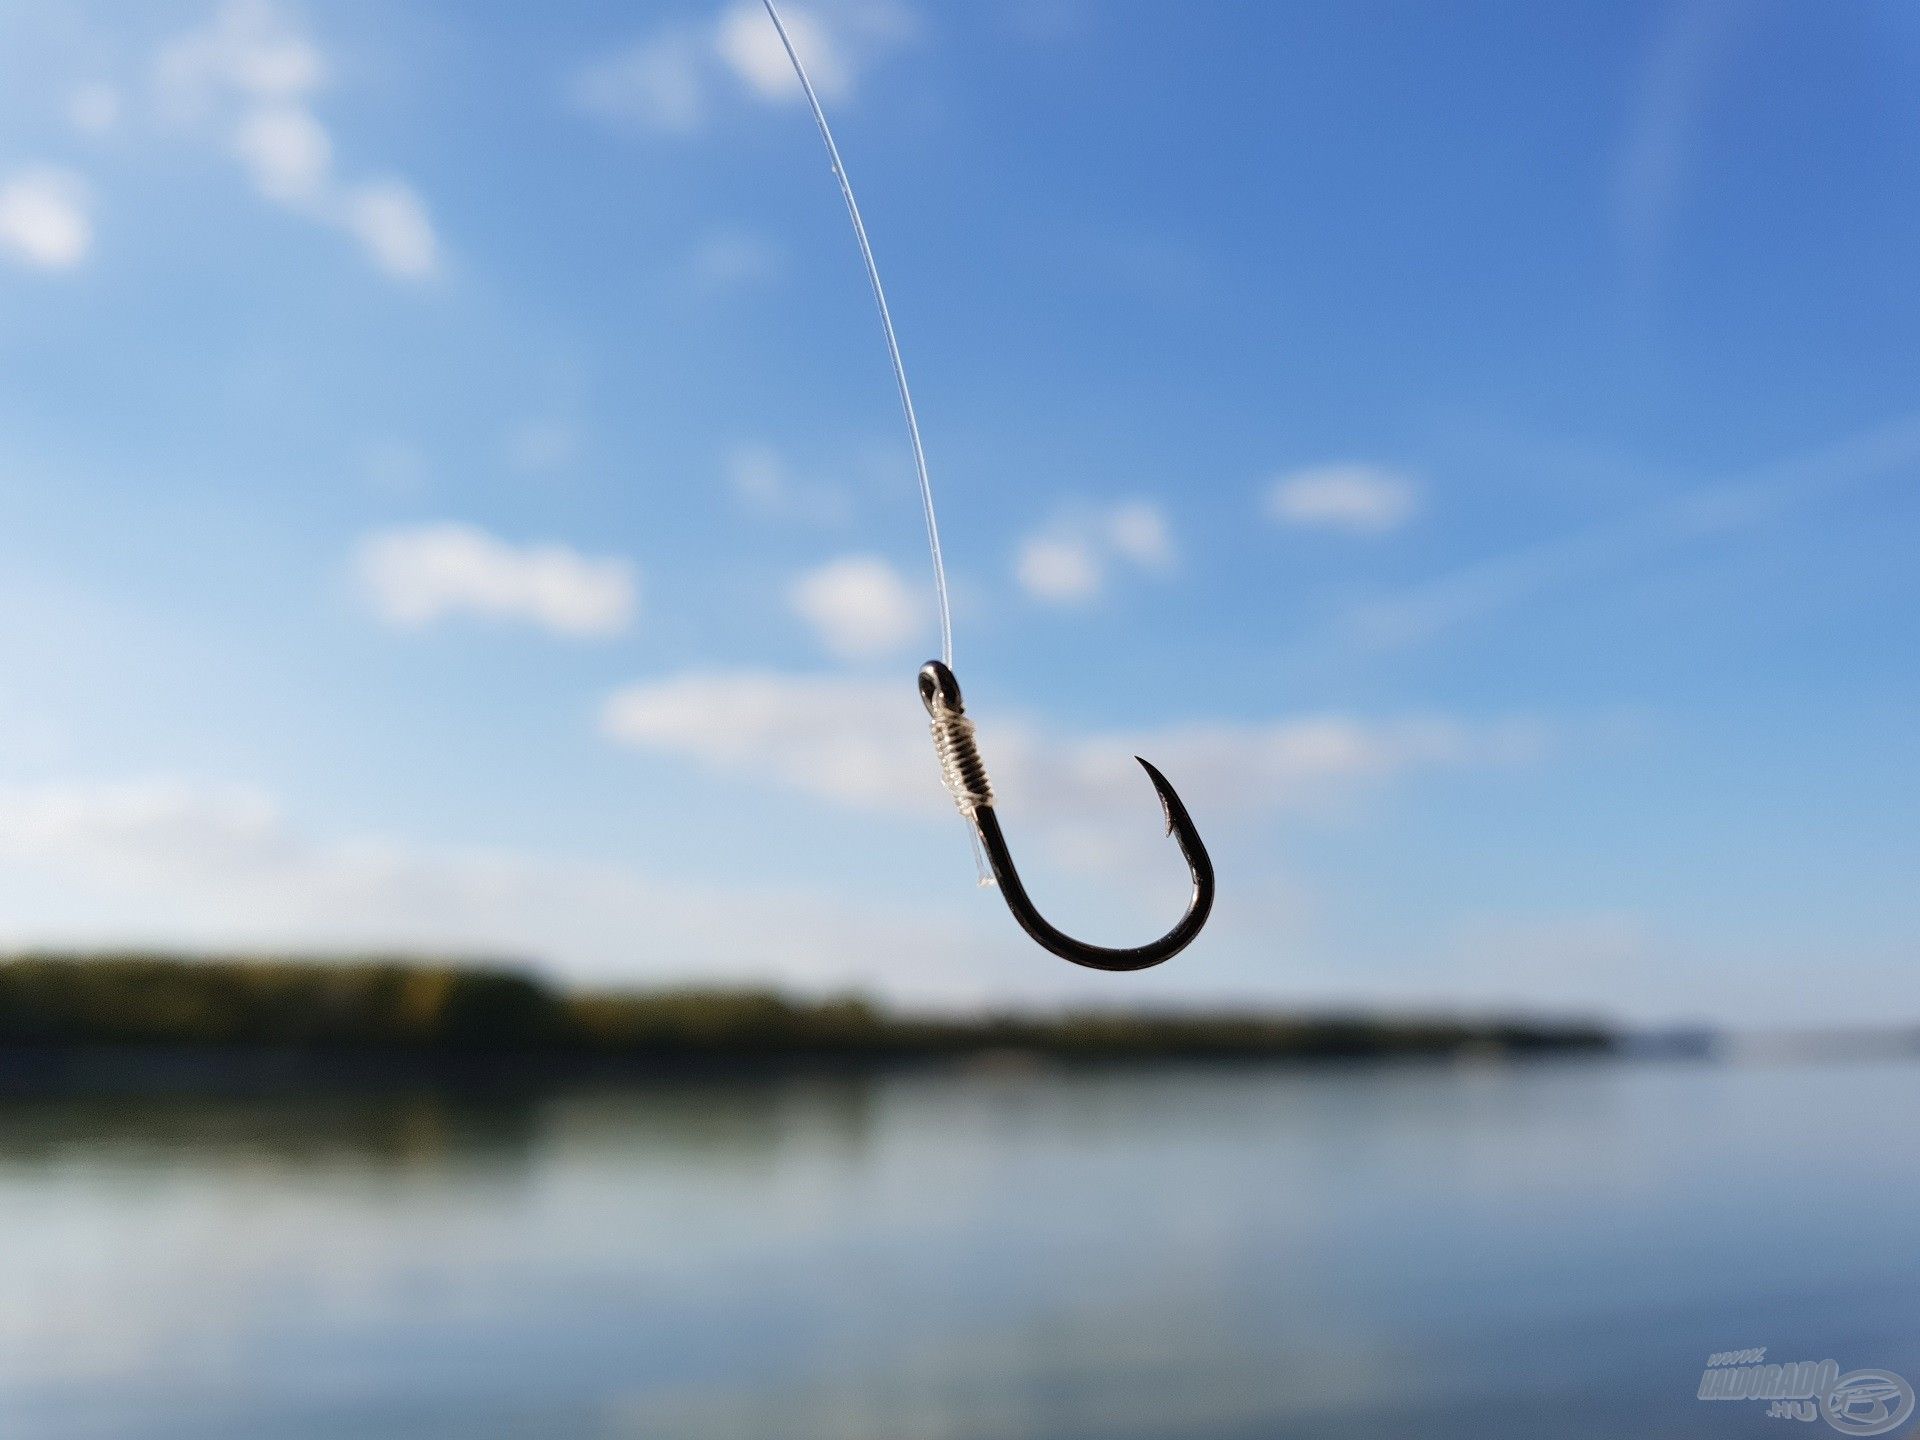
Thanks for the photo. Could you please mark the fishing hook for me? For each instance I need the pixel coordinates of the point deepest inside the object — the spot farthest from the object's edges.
(966, 777)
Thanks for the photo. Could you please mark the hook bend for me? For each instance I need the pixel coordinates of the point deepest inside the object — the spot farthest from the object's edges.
(966, 778)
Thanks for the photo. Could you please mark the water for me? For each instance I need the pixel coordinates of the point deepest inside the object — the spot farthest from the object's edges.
(1538, 1250)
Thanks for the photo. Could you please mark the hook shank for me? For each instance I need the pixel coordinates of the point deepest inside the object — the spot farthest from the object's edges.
(966, 774)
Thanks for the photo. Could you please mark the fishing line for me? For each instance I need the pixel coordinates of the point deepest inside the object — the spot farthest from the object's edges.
(886, 324)
(961, 767)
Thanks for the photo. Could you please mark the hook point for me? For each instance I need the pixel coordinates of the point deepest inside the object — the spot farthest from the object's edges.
(1162, 787)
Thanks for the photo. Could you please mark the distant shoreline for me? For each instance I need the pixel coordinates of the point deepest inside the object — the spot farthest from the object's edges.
(161, 1022)
(95, 1069)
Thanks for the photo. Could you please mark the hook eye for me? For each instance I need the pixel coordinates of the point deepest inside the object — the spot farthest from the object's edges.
(937, 682)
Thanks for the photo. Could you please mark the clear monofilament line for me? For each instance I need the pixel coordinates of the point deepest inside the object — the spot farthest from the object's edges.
(886, 324)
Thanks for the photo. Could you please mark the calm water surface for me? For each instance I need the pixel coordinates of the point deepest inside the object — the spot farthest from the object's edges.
(1543, 1250)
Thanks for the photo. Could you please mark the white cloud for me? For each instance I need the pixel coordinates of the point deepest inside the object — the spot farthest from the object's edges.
(252, 75)
(1068, 563)
(148, 831)
(839, 42)
(288, 153)
(758, 475)
(252, 49)
(1138, 531)
(657, 83)
(854, 741)
(416, 577)
(43, 218)
(863, 743)
(172, 862)
(1363, 499)
(859, 607)
(672, 79)
(750, 47)
(391, 221)
(764, 482)
(1061, 569)
(94, 108)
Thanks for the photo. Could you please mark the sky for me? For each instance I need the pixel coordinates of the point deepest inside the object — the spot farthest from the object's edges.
(453, 499)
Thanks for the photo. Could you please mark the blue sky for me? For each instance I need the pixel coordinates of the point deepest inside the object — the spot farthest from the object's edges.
(452, 496)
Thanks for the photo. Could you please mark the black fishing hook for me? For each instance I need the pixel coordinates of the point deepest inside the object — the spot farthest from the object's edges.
(966, 775)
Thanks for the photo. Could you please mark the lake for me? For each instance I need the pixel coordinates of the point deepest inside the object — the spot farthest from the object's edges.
(1549, 1249)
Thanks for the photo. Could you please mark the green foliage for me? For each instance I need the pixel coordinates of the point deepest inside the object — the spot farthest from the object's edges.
(729, 1020)
(396, 1005)
(138, 998)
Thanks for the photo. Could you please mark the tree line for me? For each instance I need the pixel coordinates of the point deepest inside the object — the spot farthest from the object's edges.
(409, 1005)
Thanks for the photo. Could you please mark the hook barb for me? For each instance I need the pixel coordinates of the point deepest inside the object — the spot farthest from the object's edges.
(966, 777)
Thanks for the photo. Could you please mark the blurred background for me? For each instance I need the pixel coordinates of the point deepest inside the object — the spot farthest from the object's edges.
(492, 955)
